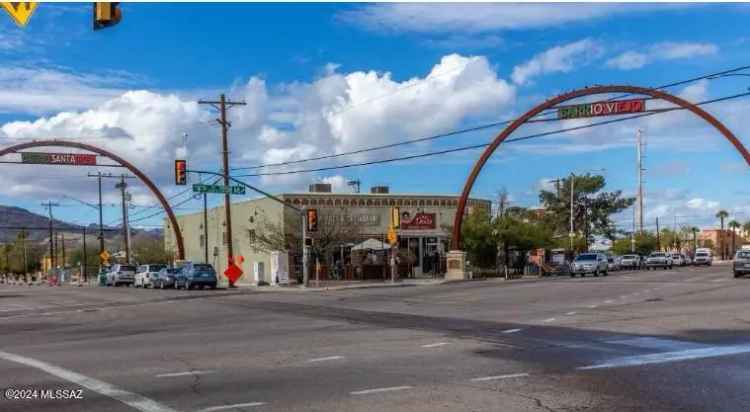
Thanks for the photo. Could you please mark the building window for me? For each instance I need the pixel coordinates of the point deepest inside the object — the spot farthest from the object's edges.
(224, 238)
(429, 202)
(377, 202)
(313, 202)
(399, 202)
(329, 202)
(202, 241)
(421, 202)
(304, 201)
(361, 202)
(338, 202)
(251, 235)
(346, 202)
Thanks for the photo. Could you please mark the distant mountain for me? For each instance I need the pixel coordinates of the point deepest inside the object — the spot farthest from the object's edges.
(13, 218)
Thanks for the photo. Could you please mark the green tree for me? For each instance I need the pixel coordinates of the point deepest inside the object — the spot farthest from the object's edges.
(645, 243)
(722, 214)
(746, 229)
(150, 250)
(92, 257)
(592, 206)
(734, 225)
(479, 240)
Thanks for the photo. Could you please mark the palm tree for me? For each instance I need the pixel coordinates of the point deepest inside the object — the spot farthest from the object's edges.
(734, 225)
(746, 229)
(722, 214)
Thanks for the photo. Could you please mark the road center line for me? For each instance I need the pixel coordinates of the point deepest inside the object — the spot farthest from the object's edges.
(592, 306)
(327, 358)
(379, 390)
(499, 377)
(655, 358)
(235, 406)
(511, 330)
(435, 345)
(608, 301)
(570, 313)
(186, 373)
(131, 399)
(548, 320)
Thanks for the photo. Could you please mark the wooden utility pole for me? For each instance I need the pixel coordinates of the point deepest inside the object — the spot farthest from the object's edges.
(222, 105)
(658, 235)
(49, 205)
(99, 176)
(126, 230)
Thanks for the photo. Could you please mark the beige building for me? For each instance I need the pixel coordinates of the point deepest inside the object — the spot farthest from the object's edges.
(345, 221)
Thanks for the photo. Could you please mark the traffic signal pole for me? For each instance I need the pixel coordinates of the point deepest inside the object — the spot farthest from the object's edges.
(222, 106)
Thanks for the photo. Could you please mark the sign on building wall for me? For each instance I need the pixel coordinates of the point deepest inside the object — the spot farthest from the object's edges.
(58, 158)
(363, 219)
(420, 221)
(601, 109)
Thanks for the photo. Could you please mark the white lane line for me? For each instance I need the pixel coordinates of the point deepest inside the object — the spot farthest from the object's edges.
(235, 406)
(592, 306)
(570, 313)
(718, 280)
(654, 358)
(186, 373)
(131, 399)
(548, 320)
(435, 345)
(379, 390)
(609, 301)
(498, 377)
(327, 358)
(511, 330)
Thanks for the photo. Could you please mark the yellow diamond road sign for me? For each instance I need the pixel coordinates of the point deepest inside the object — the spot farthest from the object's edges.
(104, 255)
(20, 11)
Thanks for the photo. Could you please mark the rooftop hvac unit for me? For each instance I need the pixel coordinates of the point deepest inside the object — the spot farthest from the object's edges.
(320, 188)
(379, 189)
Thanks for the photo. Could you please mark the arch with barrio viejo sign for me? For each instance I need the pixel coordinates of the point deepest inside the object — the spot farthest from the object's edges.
(602, 108)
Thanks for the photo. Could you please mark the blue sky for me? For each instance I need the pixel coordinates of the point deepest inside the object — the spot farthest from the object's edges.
(333, 78)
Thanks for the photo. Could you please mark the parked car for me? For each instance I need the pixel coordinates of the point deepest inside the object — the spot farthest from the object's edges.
(613, 264)
(677, 259)
(594, 263)
(630, 261)
(659, 259)
(702, 257)
(121, 275)
(166, 277)
(741, 264)
(146, 275)
(197, 275)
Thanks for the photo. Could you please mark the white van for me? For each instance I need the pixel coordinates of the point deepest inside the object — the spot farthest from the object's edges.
(703, 256)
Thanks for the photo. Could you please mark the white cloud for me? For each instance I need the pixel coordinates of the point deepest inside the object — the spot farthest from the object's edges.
(630, 60)
(42, 90)
(558, 59)
(334, 113)
(472, 18)
(701, 203)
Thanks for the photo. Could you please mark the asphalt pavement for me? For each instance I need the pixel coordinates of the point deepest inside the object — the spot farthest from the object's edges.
(672, 340)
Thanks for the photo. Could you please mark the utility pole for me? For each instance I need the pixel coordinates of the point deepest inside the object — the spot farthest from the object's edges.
(84, 270)
(25, 258)
(125, 227)
(99, 176)
(49, 205)
(62, 243)
(640, 170)
(205, 226)
(572, 228)
(658, 235)
(222, 105)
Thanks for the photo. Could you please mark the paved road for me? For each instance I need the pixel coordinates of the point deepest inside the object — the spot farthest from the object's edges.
(674, 340)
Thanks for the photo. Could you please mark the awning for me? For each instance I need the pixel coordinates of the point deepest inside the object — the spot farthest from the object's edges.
(371, 244)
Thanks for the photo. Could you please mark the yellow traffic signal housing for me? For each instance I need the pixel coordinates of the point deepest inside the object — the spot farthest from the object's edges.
(395, 218)
(106, 14)
(312, 220)
(180, 172)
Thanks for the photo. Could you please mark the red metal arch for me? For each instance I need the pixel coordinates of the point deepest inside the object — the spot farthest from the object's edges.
(118, 159)
(458, 221)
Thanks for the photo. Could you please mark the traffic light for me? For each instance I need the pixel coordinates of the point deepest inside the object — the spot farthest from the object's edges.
(106, 14)
(180, 172)
(312, 220)
(395, 218)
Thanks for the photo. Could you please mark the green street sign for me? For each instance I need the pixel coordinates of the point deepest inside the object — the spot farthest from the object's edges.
(235, 190)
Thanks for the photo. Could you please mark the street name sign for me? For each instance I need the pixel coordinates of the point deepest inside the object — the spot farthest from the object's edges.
(235, 190)
(74, 159)
(20, 11)
(601, 109)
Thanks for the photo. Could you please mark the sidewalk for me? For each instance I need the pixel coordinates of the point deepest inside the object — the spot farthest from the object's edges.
(343, 285)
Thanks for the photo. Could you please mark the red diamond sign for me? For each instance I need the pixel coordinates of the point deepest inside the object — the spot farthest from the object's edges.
(233, 273)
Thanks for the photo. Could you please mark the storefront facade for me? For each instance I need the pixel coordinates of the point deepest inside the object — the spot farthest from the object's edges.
(346, 221)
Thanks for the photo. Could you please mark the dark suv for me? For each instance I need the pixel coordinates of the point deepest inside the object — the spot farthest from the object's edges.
(198, 275)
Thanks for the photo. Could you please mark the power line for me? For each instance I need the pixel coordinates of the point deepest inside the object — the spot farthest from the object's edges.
(469, 129)
(482, 145)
